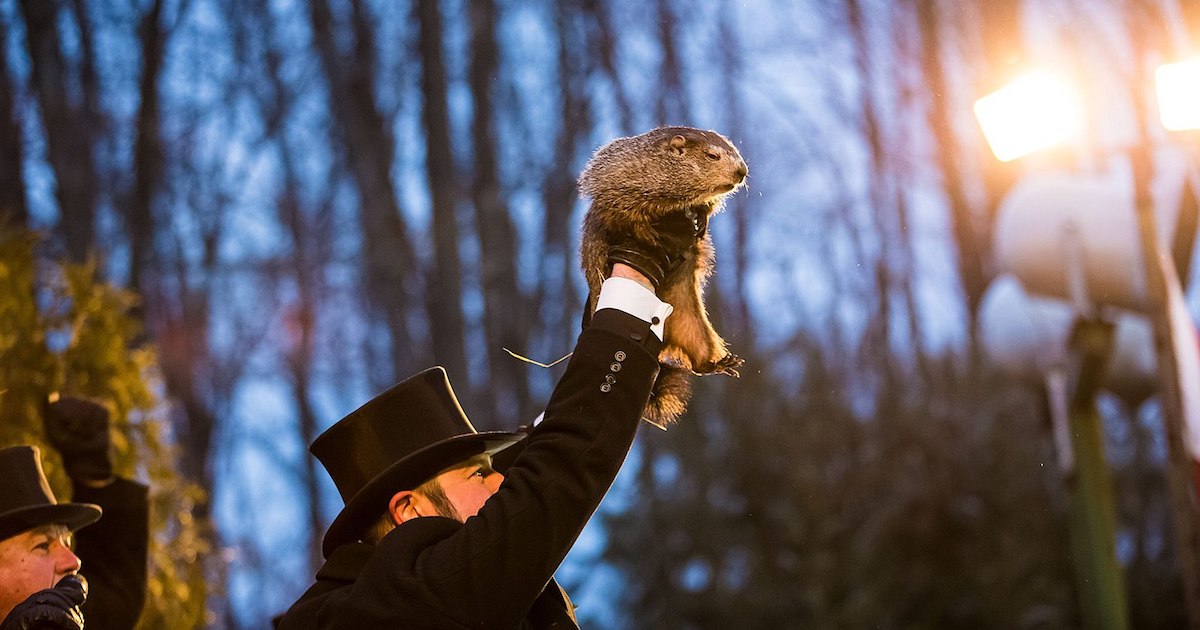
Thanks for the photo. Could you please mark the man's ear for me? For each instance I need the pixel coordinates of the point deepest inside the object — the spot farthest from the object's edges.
(402, 507)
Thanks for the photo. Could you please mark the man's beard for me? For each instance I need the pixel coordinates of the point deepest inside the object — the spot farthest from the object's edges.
(441, 503)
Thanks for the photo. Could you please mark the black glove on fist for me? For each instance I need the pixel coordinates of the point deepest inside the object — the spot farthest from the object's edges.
(674, 235)
(51, 609)
(78, 430)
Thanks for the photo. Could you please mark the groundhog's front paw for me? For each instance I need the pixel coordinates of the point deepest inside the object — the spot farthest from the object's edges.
(726, 365)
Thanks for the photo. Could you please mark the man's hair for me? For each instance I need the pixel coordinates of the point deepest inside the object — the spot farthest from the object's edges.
(431, 490)
(51, 530)
(380, 528)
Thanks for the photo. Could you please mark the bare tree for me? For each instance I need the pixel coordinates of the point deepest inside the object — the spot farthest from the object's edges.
(68, 123)
(606, 41)
(140, 216)
(13, 208)
(445, 296)
(301, 269)
(391, 280)
(556, 295)
(176, 300)
(506, 310)
(302, 320)
(971, 230)
(670, 102)
(881, 199)
(730, 62)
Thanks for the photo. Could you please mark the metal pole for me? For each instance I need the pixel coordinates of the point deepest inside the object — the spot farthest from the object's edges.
(1179, 462)
(1092, 514)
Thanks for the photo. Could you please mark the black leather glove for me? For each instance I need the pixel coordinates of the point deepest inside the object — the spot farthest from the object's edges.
(78, 429)
(674, 235)
(51, 609)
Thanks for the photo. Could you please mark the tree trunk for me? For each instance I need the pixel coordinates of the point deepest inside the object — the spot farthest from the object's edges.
(602, 14)
(971, 232)
(445, 296)
(506, 311)
(557, 298)
(140, 218)
(671, 106)
(391, 278)
(302, 323)
(68, 134)
(13, 209)
(738, 321)
(882, 207)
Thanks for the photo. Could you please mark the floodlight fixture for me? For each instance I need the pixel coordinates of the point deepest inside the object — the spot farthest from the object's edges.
(1179, 94)
(1036, 111)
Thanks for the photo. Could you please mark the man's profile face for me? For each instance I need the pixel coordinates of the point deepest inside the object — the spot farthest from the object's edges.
(34, 560)
(466, 487)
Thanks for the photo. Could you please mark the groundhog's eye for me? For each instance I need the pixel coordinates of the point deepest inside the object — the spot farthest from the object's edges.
(713, 155)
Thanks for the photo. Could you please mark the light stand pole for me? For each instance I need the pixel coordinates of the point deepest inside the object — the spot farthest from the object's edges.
(1091, 513)
(1005, 117)
(1180, 467)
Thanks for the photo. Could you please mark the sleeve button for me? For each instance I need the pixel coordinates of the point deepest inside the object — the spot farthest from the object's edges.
(610, 379)
(616, 367)
(605, 387)
(620, 355)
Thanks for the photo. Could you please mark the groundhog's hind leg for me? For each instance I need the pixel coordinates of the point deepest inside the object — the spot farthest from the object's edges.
(690, 331)
(668, 397)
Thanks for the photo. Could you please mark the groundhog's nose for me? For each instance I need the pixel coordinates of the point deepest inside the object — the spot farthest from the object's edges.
(740, 174)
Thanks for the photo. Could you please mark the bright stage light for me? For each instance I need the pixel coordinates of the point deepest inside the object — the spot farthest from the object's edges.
(1034, 112)
(1179, 95)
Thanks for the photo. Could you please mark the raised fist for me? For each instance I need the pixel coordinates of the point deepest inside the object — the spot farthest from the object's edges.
(78, 429)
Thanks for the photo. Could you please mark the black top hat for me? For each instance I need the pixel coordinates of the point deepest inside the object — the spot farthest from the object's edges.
(26, 500)
(397, 441)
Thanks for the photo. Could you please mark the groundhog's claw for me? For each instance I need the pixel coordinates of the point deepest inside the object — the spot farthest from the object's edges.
(726, 365)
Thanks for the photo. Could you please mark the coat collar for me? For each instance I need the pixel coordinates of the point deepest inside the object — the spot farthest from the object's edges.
(346, 562)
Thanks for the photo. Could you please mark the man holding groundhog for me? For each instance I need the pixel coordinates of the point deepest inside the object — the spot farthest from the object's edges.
(432, 536)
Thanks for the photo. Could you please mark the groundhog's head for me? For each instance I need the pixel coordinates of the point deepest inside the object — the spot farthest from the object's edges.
(662, 170)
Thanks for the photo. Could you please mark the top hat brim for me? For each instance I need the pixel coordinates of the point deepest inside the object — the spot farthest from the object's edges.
(369, 502)
(73, 516)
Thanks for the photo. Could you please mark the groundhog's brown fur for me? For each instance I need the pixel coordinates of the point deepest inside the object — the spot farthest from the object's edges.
(633, 181)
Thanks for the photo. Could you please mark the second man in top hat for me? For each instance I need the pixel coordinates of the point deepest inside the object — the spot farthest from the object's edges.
(40, 582)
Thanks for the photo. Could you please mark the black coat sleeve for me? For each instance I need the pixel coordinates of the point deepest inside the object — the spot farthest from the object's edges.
(488, 572)
(113, 552)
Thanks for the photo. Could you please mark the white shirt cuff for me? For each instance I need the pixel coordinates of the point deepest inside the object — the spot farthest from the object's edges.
(631, 297)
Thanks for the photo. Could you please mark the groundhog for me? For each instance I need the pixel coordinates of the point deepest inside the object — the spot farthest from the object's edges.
(633, 181)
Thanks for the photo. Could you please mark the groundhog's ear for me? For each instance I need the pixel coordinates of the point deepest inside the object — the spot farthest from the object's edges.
(677, 144)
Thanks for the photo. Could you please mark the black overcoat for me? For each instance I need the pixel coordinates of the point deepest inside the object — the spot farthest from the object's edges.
(113, 552)
(495, 570)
